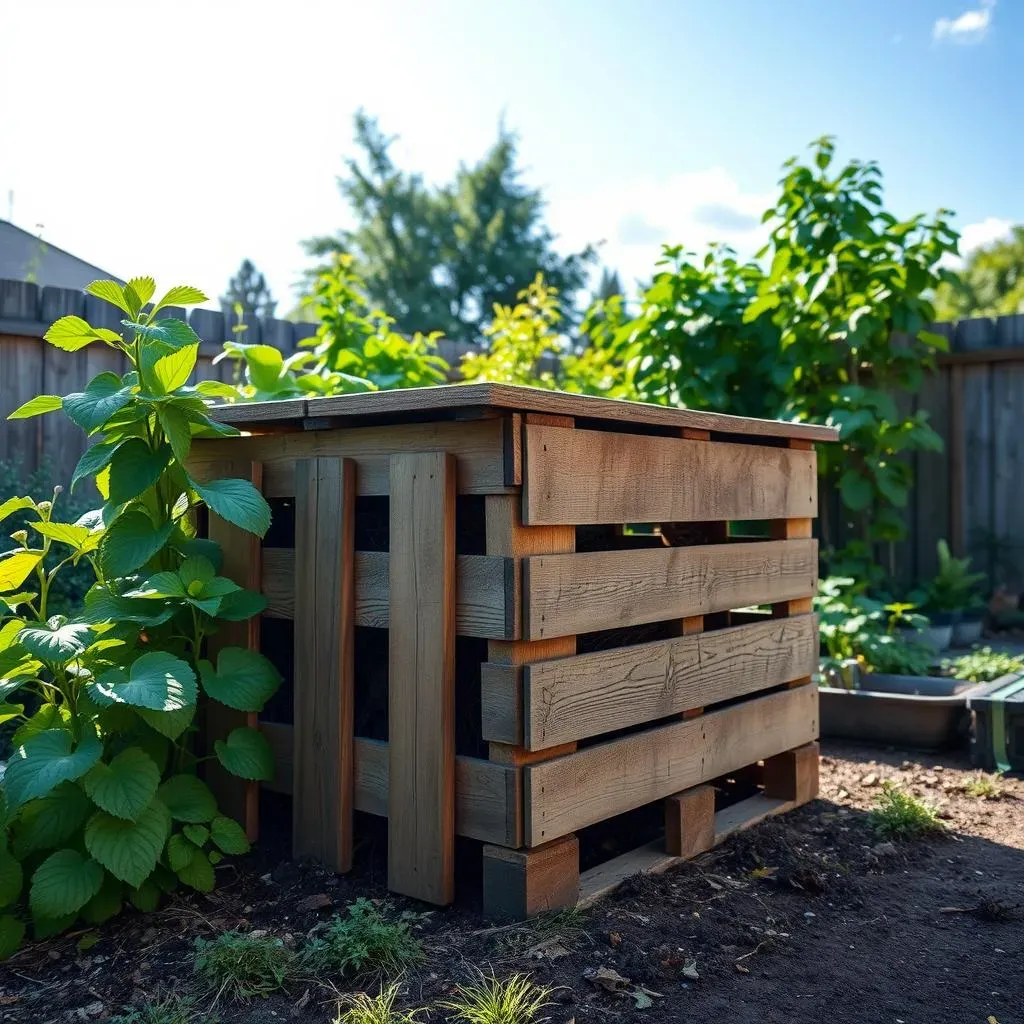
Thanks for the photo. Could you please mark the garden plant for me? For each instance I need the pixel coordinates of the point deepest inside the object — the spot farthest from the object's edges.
(102, 801)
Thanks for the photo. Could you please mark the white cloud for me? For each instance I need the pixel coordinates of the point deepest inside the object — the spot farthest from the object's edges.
(969, 27)
(635, 218)
(974, 236)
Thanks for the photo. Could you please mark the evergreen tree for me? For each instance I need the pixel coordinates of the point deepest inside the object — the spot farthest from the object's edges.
(440, 258)
(248, 289)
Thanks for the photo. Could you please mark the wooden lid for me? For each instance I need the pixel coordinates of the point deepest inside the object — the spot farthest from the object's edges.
(447, 401)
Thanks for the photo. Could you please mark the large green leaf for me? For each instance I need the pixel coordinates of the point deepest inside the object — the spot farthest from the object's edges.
(180, 850)
(243, 680)
(12, 505)
(46, 823)
(58, 641)
(109, 291)
(174, 369)
(126, 786)
(198, 834)
(45, 761)
(241, 605)
(106, 903)
(218, 389)
(265, 365)
(169, 723)
(37, 406)
(134, 468)
(95, 458)
(104, 395)
(138, 291)
(157, 681)
(8, 712)
(229, 835)
(12, 931)
(49, 716)
(64, 883)
(129, 850)
(11, 878)
(188, 799)
(238, 502)
(198, 874)
(177, 426)
(14, 568)
(181, 295)
(81, 538)
(131, 541)
(246, 753)
(71, 333)
(146, 897)
(173, 333)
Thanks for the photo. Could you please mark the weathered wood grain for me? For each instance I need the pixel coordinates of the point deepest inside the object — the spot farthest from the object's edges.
(578, 697)
(323, 661)
(485, 603)
(584, 592)
(571, 792)
(421, 677)
(591, 476)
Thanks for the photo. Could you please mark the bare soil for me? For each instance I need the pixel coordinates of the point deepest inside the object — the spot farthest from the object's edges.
(808, 917)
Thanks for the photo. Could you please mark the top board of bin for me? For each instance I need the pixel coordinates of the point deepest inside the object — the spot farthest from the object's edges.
(454, 401)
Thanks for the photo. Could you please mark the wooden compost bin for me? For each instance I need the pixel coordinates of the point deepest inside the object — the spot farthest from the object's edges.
(546, 666)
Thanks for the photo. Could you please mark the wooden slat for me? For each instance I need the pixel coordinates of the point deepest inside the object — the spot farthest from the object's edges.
(479, 447)
(446, 399)
(588, 476)
(237, 798)
(488, 796)
(599, 782)
(421, 677)
(487, 602)
(323, 660)
(978, 463)
(580, 593)
(574, 698)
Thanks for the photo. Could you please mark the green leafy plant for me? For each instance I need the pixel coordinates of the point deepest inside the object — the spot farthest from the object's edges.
(361, 942)
(902, 816)
(244, 966)
(102, 803)
(169, 1009)
(355, 349)
(514, 1000)
(954, 587)
(379, 1009)
(983, 665)
(983, 786)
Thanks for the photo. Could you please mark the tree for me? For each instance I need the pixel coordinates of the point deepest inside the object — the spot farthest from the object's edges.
(248, 289)
(990, 284)
(610, 284)
(440, 258)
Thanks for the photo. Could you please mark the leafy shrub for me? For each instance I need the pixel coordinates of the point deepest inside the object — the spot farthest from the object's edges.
(101, 801)
(362, 942)
(985, 787)
(954, 587)
(983, 665)
(516, 1000)
(902, 816)
(244, 966)
(378, 1009)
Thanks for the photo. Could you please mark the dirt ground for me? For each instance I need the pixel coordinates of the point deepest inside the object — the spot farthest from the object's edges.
(809, 917)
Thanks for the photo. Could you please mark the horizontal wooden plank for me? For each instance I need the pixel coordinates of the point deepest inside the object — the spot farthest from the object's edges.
(584, 592)
(652, 858)
(485, 596)
(574, 698)
(611, 778)
(478, 446)
(590, 476)
(448, 399)
(488, 796)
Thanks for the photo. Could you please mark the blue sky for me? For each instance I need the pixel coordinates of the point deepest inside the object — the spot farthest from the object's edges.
(176, 138)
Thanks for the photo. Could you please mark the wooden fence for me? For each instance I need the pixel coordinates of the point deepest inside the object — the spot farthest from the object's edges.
(972, 493)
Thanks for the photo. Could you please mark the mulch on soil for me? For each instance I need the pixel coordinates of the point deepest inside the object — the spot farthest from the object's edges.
(809, 917)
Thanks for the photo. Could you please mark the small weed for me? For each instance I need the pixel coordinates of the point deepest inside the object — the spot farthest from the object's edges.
(362, 942)
(516, 1000)
(378, 1009)
(983, 665)
(902, 815)
(244, 966)
(984, 787)
(170, 1009)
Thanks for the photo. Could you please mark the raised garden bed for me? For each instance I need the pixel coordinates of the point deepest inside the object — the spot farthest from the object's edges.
(474, 646)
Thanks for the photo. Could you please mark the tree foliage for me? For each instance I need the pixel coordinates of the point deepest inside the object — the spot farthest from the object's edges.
(101, 801)
(248, 290)
(991, 282)
(440, 258)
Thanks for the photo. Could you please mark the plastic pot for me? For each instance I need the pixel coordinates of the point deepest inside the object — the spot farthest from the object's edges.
(968, 630)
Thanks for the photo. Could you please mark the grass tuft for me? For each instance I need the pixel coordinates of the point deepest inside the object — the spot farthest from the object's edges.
(516, 1000)
(363, 942)
(984, 787)
(170, 1009)
(243, 966)
(378, 1009)
(903, 816)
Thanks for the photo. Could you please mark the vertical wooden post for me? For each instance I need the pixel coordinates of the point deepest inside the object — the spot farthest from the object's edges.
(690, 822)
(322, 779)
(421, 679)
(793, 774)
(237, 798)
(522, 883)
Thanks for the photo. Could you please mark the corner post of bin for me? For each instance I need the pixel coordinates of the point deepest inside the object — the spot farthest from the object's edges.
(522, 882)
